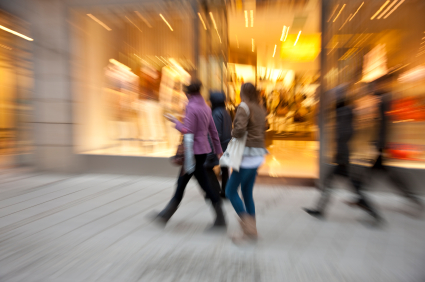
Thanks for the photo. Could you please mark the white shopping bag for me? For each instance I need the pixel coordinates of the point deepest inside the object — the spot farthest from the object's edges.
(189, 157)
(232, 158)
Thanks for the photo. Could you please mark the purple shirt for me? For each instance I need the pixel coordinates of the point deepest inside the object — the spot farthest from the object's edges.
(199, 122)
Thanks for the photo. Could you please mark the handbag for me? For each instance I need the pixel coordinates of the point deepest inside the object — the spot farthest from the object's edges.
(233, 155)
(178, 158)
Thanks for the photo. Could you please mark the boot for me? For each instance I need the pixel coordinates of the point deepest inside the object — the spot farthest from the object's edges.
(165, 215)
(249, 226)
(220, 221)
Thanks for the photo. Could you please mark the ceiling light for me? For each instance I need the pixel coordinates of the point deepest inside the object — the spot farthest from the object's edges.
(98, 21)
(252, 17)
(143, 19)
(387, 9)
(252, 41)
(246, 18)
(299, 33)
(133, 24)
(287, 31)
(380, 9)
(336, 7)
(274, 52)
(283, 33)
(356, 11)
(5, 47)
(200, 17)
(395, 8)
(342, 8)
(215, 26)
(345, 22)
(166, 22)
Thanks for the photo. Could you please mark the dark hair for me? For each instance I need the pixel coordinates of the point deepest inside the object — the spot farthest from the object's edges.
(193, 88)
(249, 92)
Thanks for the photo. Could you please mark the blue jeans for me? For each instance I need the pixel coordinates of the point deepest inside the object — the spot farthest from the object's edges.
(246, 178)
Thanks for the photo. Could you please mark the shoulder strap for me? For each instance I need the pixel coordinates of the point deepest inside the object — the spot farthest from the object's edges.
(244, 106)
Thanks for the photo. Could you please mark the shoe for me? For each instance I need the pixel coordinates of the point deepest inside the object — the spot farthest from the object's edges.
(220, 220)
(314, 213)
(249, 231)
(165, 215)
(223, 195)
(362, 204)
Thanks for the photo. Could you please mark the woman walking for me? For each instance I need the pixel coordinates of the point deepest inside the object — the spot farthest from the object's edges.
(223, 123)
(198, 123)
(250, 118)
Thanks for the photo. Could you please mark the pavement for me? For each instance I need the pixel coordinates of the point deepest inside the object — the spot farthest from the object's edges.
(95, 227)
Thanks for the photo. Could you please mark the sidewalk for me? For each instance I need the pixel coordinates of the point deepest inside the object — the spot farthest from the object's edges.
(95, 228)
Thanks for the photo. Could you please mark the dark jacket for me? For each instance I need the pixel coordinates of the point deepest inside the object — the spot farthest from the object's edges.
(222, 119)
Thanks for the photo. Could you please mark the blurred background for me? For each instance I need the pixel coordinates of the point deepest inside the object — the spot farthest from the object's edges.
(84, 85)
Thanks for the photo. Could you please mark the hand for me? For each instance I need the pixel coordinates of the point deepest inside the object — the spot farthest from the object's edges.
(170, 118)
(219, 155)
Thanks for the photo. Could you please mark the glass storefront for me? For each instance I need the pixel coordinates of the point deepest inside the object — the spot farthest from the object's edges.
(16, 85)
(364, 41)
(129, 65)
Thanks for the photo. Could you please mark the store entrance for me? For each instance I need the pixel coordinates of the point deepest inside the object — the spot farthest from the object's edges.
(276, 45)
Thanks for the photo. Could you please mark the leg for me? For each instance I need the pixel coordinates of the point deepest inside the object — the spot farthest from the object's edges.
(232, 192)
(224, 179)
(403, 187)
(247, 187)
(202, 178)
(181, 186)
(363, 202)
(212, 178)
(174, 203)
(324, 196)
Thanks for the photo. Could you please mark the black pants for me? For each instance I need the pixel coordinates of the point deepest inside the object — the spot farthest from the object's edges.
(214, 181)
(342, 170)
(202, 178)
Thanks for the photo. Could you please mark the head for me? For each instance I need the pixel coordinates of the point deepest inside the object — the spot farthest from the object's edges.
(341, 95)
(193, 89)
(217, 99)
(249, 93)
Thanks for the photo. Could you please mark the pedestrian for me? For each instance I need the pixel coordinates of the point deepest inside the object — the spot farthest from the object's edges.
(198, 123)
(250, 118)
(223, 123)
(381, 89)
(344, 133)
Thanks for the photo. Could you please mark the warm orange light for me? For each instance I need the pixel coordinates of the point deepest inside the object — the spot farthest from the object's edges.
(387, 9)
(356, 11)
(215, 26)
(274, 52)
(246, 18)
(200, 17)
(166, 22)
(16, 33)
(345, 22)
(306, 49)
(336, 7)
(143, 19)
(395, 8)
(298, 37)
(342, 8)
(5, 47)
(133, 24)
(251, 12)
(99, 22)
(380, 9)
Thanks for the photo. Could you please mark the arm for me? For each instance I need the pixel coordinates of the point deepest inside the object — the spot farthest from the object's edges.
(214, 137)
(240, 124)
(189, 123)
